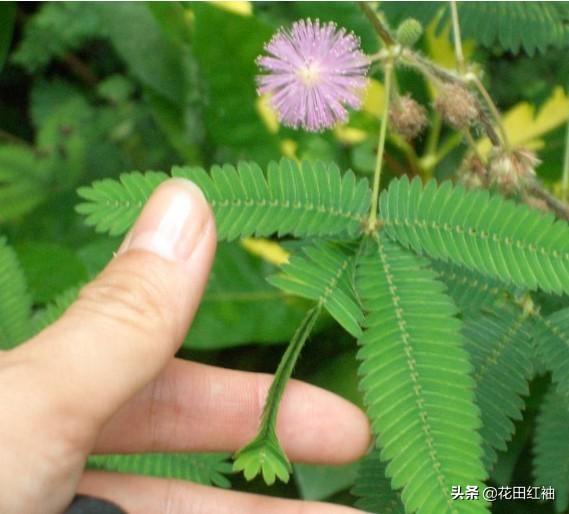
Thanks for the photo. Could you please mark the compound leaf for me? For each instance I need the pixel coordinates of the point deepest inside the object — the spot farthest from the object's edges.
(202, 468)
(15, 301)
(373, 488)
(324, 274)
(551, 449)
(501, 351)
(469, 290)
(482, 232)
(416, 381)
(552, 340)
(311, 199)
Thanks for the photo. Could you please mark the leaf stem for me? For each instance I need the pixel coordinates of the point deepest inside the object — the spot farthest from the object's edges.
(284, 371)
(457, 39)
(565, 176)
(372, 220)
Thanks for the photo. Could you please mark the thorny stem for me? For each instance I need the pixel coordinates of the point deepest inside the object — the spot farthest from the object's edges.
(372, 220)
(457, 39)
(565, 176)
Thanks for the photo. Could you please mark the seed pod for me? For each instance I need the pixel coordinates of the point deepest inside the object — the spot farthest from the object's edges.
(512, 171)
(457, 106)
(407, 117)
(409, 32)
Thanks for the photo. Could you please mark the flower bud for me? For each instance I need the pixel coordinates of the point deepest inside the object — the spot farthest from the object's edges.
(457, 106)
(512, 171)
(407, 117)
(409, 32)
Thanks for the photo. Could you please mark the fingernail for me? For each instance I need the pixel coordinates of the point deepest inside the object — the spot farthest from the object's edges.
(171, 223)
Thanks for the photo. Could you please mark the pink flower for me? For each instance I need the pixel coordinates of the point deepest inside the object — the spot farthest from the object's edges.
(313, 72)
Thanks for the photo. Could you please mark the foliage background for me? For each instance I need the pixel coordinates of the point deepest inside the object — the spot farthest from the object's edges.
(89, 90)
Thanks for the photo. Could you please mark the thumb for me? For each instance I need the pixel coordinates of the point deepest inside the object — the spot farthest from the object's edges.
(131, 319)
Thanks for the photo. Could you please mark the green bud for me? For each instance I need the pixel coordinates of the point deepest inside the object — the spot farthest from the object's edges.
(409, 32)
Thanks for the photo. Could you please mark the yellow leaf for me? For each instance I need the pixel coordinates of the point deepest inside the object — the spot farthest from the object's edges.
(288, 148)
(350, 135)
(441, 49)
(237, 7)
(267, 114)
(374, 101)
(525, 127)
(268, 250)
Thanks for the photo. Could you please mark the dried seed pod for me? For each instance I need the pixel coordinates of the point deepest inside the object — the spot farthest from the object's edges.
(407, 117)
(473, 173)
(457, 106)
(512, 171)
(409, 32)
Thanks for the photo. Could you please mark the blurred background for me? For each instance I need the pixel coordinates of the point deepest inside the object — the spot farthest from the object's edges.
(90, 90)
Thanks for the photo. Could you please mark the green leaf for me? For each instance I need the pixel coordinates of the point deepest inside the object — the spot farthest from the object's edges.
(552, 339)
(500, 347)
(312, 199)
(227, 66)
(470, 291)
(264, 456)
(240, 307)
(53, 311)
(373, 488)
(416, 381)
(531, 26)
(201, 468)
(325, 274)
(7, 19)
(551, 450)
(484, 233)
(15, 302)
(50, 269)
(22, 182)
(55, 29)
(149, 54)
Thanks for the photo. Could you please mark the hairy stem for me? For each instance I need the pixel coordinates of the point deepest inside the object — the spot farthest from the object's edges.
(565, 176)
(377, 24)
(561, 209)
(380, 147)
(457, 39)
(284, 371)
(493, 109)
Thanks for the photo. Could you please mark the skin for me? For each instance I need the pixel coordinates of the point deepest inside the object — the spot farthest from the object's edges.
(103, 379)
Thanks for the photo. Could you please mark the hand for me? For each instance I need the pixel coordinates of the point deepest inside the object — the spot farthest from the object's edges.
(103, 379)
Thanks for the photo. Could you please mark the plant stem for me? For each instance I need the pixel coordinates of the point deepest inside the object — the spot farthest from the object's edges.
(284, 371)
(493, 109)
(565, 176)
(377, 24)
(380, 147)
(457, 39)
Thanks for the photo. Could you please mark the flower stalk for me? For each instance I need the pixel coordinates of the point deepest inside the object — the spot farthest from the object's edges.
(372, 220)
(565, 176)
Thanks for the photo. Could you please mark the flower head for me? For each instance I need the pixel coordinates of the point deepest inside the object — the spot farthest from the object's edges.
(312, 73)
(457, 106)
(407, 117)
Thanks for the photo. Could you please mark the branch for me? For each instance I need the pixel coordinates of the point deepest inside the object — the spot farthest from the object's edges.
(560, 208)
